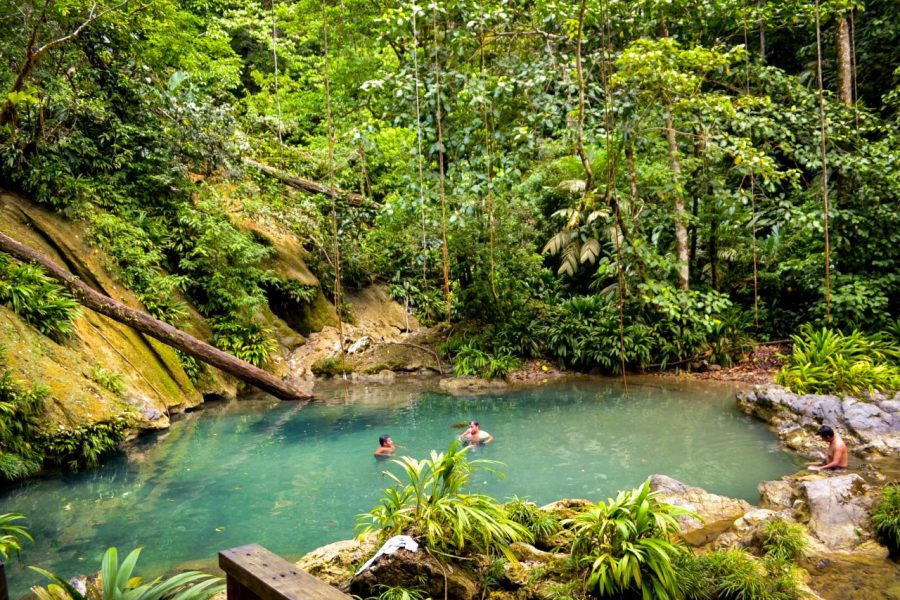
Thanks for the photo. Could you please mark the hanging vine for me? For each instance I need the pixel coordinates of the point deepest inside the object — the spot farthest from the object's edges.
(336, 247)
(823, 139)
(611, 167)
(415, 53)
(579, 133)
(441, 155)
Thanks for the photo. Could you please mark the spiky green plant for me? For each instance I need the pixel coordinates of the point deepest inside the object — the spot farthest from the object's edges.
(431, 503)
(828, 361)
(12, 534)
(628, 544)
(31, 294)
(886, 517)
(118, 583)
(783, 541)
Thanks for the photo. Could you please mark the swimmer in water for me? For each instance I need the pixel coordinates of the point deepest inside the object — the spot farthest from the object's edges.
(386, 446)
(475, 435)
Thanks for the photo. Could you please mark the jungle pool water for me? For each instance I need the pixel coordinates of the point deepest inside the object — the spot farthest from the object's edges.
(294, 477)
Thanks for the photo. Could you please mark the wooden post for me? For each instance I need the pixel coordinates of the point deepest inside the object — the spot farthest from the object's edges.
(254, 573)
(4, 590)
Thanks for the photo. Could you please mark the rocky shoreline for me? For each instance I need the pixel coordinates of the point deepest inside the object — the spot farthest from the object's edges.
(841, 560)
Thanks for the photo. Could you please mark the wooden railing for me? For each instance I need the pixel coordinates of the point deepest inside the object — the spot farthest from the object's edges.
(254, 573)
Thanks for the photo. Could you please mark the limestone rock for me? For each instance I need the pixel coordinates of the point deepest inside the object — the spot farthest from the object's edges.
(717, 513)
(359, 345)
(776, 494)
(838, 509)
(413, 569)
(466, 385)
(336, 563)
(870, 425)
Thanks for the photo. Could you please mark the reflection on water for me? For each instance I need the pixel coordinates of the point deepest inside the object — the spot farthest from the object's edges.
(294, 477)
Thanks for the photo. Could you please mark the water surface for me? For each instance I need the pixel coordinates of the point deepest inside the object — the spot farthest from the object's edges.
(294, 477)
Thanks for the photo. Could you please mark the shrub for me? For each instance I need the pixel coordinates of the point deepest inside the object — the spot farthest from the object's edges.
(248, 342)
(543, 525)
(35, 297)
(84, 445)
(429, 504)
(472, 361)
(827, 361)
(886, 517)
(20, 409)
(116, 582)
(783, 541)
(391, 592)
(738, 575)
(109, 380)
(629, 544)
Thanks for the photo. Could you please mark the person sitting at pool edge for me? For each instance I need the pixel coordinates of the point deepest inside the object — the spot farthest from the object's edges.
(836, 458)
(386, 446)
(475, 435)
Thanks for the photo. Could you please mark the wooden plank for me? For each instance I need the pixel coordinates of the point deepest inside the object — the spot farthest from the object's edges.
(256, 573)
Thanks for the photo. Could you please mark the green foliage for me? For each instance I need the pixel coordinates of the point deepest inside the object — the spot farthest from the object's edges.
(20, 410)
(117, 582)
(249, 342)
(390, 592)
(784, 541)
(472, 361)
(430, 504)
(543, 525)
(331, 366)
(629, 543)
(31, 294)
(132, 241)
(11, 534)
(886, 517)
(828, 361)
(738, 575)
(84, 445)
(109, 380)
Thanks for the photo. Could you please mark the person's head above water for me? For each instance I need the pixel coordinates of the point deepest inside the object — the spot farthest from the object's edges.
(825, 432)
(384, 440)
(474, 425)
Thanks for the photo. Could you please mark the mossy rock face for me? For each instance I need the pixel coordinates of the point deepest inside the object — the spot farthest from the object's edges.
(151, 375)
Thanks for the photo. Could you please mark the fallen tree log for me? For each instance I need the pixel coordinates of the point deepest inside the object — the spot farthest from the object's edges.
(306, 185)
(146, 324)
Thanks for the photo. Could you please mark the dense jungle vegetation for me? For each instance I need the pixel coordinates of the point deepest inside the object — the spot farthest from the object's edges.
(608, 184)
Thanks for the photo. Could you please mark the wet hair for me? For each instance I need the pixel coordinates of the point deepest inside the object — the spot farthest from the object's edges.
(383, 439)
(475, 423)
(825, 431)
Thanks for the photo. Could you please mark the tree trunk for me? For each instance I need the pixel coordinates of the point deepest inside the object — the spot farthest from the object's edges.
(844, 63)
(681, 233)
(305, 185)
(146, 324)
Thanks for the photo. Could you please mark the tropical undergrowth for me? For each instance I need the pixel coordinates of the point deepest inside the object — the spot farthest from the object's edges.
(886, 518)
(629, 543)
(431, 502)
(26, 445)
(117, 581)
(825, 360)
(666, 327)
(29, 292)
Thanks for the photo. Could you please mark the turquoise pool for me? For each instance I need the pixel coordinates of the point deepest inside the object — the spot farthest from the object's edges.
(294, 477)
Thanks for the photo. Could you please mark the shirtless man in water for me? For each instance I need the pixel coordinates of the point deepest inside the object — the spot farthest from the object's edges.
(837, 451)
(386, 446)
(475, 435)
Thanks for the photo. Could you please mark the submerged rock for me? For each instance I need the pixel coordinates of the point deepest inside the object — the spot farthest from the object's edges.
(717, 513)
